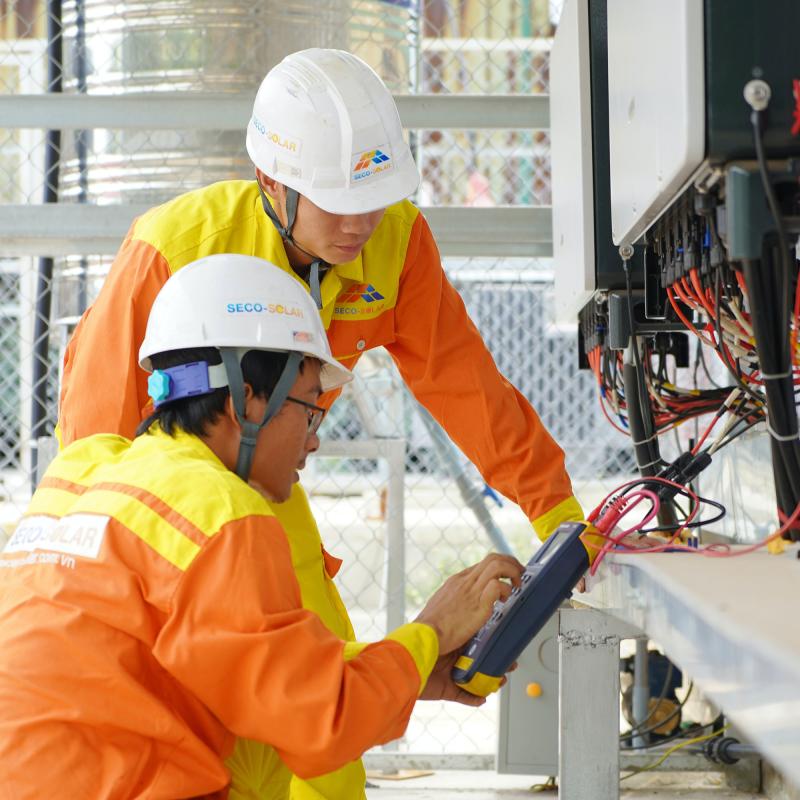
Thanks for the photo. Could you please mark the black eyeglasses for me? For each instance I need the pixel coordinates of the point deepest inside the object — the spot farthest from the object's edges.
(315, 414)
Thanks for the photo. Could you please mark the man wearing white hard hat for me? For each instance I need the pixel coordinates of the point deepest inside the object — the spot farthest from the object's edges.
(329, 207)
(149, 611)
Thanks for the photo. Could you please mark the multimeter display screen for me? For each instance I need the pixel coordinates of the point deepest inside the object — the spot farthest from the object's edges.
(554, 547)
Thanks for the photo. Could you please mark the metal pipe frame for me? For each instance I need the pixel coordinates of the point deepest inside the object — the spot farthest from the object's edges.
(98, 230)
(219, 111)
(394, 452)
(74, 229)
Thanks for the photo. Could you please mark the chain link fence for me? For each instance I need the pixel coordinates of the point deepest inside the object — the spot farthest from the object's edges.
(417, 46)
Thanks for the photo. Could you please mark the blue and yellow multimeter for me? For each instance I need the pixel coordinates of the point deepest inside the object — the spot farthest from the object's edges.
(549, 578)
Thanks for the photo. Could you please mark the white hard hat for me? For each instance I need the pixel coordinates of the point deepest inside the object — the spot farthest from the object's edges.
(243, 303)
(325, 125)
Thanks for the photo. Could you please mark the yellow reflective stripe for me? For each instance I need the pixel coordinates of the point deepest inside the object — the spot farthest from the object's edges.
(348, 781)
(57, 434)
(422, 643)
(149, 463)
(568, 510)
(593, 542)
(51, 501)
(142, 521)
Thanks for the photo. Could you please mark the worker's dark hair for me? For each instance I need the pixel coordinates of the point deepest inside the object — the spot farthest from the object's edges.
(260, 368)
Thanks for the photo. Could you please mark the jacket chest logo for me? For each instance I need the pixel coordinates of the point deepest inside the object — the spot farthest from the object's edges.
(359, 300)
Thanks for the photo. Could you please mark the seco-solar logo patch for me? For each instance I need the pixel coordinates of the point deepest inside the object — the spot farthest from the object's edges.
(349, 302)
(369, 163)
(363, 291)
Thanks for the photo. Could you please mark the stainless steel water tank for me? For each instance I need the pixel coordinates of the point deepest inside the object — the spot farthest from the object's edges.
(195, 46)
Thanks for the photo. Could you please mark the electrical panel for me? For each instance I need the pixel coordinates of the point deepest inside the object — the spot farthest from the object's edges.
(676, 108)
(585, 257)
(699, 199)
(528, 733)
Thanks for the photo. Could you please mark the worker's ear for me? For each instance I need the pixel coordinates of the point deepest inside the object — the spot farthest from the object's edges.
(254, 406)
(276, 190)
(249, 410)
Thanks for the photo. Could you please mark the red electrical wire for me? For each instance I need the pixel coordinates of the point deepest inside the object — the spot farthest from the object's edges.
(699, 293)
(682, 316)
(621, 506)
(704, 436)
(594, 357)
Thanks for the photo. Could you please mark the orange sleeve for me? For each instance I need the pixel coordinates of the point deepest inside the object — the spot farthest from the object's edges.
(103, 389)
(239, 640)
(446, 364)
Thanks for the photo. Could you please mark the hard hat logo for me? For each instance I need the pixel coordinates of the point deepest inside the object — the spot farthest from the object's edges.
(264, 308)
(370, 163)
(278, 139)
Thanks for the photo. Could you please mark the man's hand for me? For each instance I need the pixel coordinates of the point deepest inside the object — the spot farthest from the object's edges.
(464, 601)
(440, 684)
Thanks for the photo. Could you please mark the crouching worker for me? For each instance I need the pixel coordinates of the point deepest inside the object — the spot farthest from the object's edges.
(149, 612)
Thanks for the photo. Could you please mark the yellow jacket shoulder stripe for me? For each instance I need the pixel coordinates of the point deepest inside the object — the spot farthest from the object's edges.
(138, 489)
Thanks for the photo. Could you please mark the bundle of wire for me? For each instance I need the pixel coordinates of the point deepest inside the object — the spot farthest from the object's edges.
(671, 405)
(726, 326)
(610, 512)
(750, 316)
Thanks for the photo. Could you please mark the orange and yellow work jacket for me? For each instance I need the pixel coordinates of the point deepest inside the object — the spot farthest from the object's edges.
(146, 620)
(395, 295)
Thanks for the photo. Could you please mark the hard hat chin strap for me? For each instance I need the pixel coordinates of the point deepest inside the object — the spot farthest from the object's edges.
(313, 280)
(292, 198)
(231, 358)
(285, 231)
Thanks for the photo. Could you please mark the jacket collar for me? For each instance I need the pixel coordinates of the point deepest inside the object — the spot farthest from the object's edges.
(268, 244)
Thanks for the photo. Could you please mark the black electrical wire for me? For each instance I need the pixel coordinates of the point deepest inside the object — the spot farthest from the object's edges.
(779, 392)
(757, 120)
(700, 358)
(648, 483)
(685, 733)
(641, 387)
(748, 418)
(737, 431)
(689, 525)
(774, 342)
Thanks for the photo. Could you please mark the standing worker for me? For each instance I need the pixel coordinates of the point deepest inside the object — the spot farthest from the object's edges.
(328, 206)
(148, 608)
